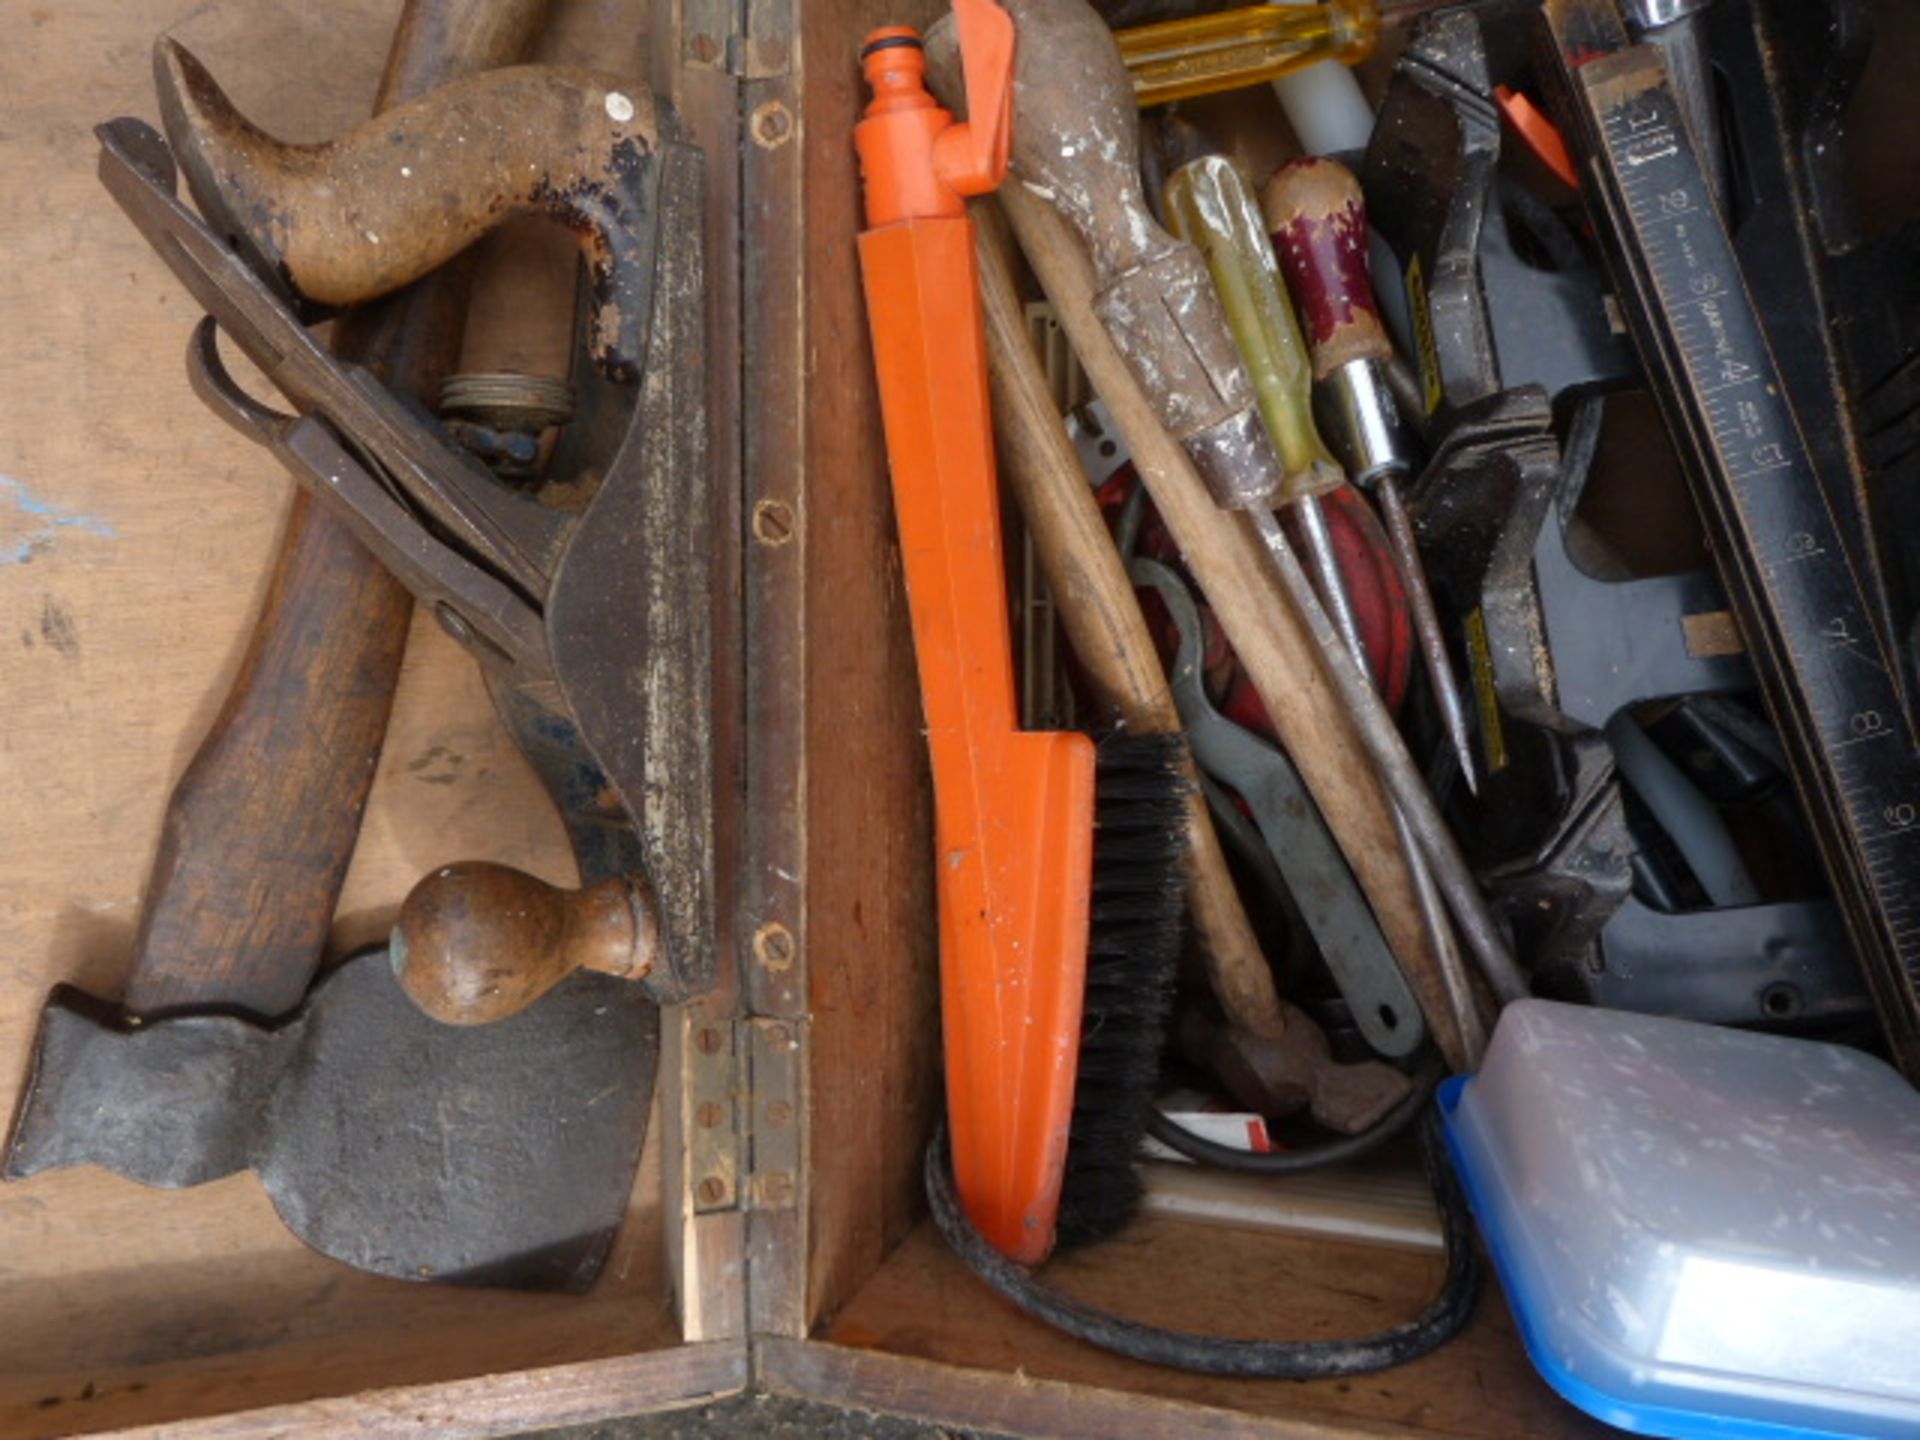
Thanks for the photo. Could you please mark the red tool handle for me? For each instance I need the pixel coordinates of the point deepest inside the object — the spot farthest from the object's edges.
(1318, 218)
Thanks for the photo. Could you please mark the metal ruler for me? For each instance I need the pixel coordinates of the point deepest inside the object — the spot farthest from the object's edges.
(1826, 675)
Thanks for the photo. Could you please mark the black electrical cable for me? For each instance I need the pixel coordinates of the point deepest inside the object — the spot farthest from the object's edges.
(1201, 1150)
(1218, 1355)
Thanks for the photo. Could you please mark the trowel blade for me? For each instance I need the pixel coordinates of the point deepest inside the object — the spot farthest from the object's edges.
(497, 1154)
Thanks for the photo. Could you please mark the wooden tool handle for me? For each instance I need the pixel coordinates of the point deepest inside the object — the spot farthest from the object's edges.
(477, 942)
(384, 204)
(1102, 616)
(1076, 140)
(257, 835)
(1272, 642)
(1318, 218)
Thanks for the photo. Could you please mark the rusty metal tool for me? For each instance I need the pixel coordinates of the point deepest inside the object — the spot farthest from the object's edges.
(1290, 1074)
(1318, 218)
(258, 832)
(1076, 143)
(493, 1155)
(596, 662)
(502, 1152)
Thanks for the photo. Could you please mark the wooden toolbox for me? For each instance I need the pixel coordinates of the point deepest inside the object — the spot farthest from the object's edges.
(776, 1235)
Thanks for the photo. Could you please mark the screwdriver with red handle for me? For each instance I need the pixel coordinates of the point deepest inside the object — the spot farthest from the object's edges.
(1318, 219)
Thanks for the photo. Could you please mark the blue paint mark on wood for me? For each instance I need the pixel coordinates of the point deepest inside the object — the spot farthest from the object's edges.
(47, 521)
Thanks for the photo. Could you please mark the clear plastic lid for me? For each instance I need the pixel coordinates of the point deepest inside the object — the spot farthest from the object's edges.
(1701, 1231)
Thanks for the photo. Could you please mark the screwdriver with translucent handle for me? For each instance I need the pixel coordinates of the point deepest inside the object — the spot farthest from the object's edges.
(1203, 54)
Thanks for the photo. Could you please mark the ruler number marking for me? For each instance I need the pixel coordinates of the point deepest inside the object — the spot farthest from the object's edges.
(1719, 345)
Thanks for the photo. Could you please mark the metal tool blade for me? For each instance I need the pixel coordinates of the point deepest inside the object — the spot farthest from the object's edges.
(497, 1154)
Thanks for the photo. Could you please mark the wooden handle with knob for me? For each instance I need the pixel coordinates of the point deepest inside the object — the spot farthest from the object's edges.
(477, 942)
(258, 832)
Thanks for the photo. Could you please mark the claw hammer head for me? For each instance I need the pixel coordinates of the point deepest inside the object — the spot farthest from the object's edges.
(369, 212)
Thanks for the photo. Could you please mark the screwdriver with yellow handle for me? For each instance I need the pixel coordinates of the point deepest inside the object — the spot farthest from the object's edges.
(1203, 54)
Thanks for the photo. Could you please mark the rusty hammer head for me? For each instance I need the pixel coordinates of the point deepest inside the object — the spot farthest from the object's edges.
(364, 214)
(496, 1154)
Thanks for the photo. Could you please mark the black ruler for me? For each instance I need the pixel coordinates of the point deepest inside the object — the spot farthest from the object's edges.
(1826, 675)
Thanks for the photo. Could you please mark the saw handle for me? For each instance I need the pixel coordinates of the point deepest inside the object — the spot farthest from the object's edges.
(476, 942)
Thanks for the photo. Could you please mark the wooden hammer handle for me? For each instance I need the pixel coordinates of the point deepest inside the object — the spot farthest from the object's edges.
(1273, 643)
(258, 832)
(1102, 616)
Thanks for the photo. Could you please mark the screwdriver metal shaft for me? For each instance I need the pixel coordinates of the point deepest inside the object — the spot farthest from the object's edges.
(1209, 204)
(1452, 966)
(1404, 783)
(1319, 224)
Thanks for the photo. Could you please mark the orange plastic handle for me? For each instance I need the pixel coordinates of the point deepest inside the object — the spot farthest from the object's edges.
(916, 161)
(1013, 810)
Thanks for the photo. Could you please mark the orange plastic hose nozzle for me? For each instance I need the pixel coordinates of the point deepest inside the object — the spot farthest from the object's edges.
(1013, 809)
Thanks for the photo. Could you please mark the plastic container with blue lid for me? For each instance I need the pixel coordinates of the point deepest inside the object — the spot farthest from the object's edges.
(1700, 1231)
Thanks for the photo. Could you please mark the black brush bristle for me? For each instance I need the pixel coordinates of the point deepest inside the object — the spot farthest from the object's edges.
(1133, 951)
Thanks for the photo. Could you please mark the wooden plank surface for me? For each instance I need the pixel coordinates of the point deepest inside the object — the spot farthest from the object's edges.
(924, 1305)
(1016, 1403)
(134, 537)
(871, 962)
(493, 1404)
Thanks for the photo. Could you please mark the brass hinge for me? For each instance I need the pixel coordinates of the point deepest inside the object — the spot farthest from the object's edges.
(751, 39)
(712, 1124)
(774, 1123)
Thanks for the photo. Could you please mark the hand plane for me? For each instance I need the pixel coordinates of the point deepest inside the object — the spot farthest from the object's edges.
(579, 617)
(498, 1148)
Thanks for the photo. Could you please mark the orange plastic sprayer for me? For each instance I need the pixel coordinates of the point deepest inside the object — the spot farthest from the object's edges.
(1013, 810)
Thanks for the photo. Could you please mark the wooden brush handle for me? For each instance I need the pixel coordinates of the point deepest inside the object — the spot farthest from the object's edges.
(477, 942)
(1102, 615)
(377, 208)
(258, 832)
(1272, 642)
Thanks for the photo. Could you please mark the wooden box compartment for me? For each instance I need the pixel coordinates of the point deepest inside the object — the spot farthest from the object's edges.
(895, 1320)
(138, 534)
(134, 538)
